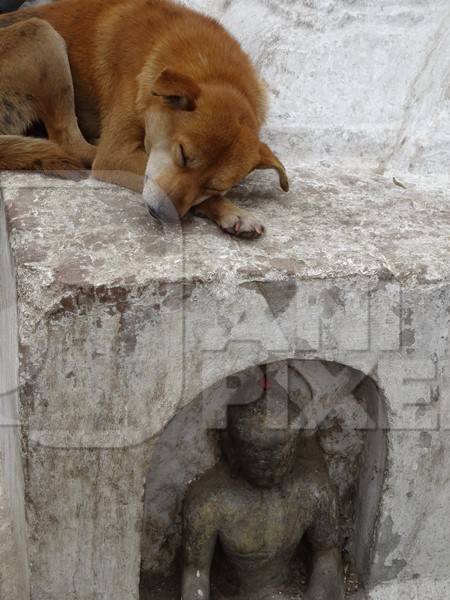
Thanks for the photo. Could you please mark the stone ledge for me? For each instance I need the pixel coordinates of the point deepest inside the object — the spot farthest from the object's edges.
(329, 225)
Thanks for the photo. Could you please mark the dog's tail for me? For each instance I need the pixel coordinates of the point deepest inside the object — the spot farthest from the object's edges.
(18, 153)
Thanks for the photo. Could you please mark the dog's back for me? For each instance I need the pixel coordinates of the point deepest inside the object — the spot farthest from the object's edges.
(110, 42)
(150, 74)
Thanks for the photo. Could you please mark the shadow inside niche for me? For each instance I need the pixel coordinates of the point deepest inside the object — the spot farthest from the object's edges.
(168, 587)
(349, 413)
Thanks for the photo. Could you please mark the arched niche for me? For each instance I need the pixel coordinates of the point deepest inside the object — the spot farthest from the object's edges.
(347, 412)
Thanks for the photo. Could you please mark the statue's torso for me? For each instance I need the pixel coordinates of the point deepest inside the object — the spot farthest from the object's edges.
(256, 521)
(259, 529)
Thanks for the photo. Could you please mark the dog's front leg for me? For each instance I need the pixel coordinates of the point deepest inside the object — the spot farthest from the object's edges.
(121, 158)
(230, 217)
(121, 168)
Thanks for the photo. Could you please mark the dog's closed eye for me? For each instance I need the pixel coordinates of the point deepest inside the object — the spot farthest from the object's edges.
(183, 159)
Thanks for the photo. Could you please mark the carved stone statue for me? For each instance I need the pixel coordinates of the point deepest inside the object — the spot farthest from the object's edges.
(271, 492)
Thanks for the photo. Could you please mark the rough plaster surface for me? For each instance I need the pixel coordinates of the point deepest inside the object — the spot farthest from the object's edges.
(426, 589)
(352, 81)
(121, 323)
(13, 553)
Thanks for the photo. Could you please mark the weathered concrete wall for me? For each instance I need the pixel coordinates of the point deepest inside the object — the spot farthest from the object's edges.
(371, 484)
(14, 582)
(355, 83)
(122, 323)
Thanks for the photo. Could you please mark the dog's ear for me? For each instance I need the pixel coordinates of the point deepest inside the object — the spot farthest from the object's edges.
(268, 160)
(176, 90)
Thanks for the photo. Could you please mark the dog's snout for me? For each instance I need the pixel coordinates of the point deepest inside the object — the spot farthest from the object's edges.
(158, 203)
(153, 212)
(164, 211)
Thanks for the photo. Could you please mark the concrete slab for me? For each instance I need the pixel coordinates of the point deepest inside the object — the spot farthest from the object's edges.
(113, 308)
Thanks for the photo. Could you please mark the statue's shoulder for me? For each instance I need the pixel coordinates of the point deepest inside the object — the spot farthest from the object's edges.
(315, 481)
(208, 489)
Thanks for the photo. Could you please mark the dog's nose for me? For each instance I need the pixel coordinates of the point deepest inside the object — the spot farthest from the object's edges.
(164, 211)
(153, 212)
(158, 203)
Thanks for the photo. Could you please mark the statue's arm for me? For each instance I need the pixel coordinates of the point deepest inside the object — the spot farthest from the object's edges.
(199, 541)
(327, 576)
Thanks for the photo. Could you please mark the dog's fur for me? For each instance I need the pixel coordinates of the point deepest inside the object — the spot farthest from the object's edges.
(146, 77)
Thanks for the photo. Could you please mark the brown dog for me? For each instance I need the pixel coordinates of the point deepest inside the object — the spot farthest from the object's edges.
(146, 78)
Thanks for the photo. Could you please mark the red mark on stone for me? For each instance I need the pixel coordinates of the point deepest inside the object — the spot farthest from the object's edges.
(265, 383)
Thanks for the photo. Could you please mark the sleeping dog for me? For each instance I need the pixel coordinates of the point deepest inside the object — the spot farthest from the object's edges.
(154, 82)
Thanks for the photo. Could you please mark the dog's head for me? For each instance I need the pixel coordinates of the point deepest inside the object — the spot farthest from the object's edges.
(202, 140)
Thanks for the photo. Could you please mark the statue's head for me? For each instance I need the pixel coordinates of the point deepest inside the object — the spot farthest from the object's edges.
(262, 439)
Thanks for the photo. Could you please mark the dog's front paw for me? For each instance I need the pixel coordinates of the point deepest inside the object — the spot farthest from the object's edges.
(242, 224)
